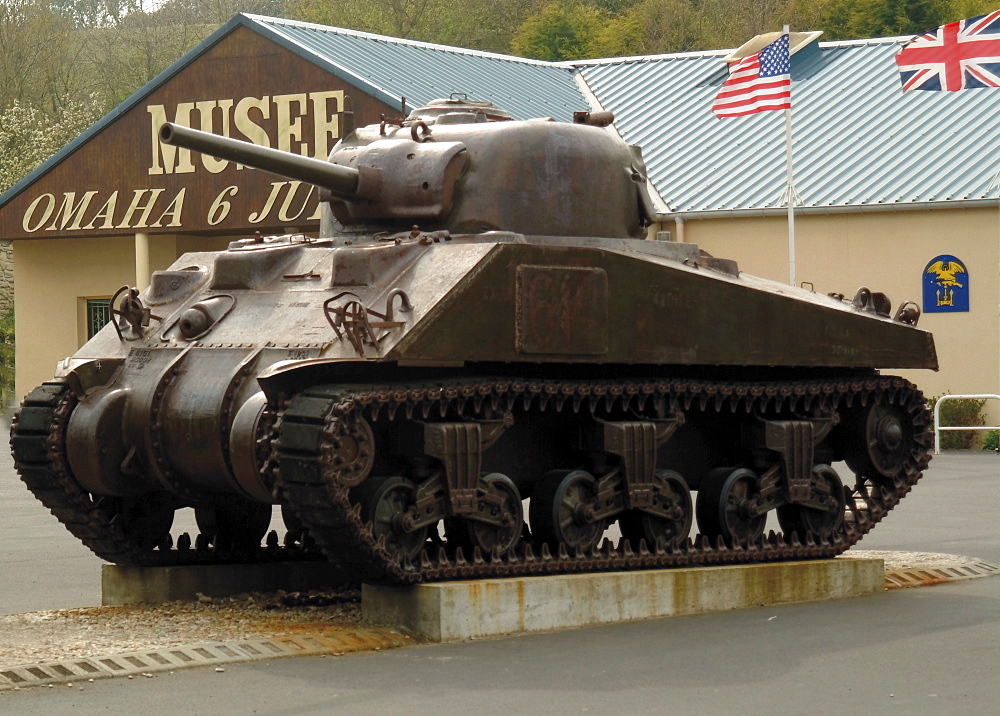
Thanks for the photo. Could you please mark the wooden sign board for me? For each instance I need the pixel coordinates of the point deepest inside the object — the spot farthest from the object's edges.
(123, 180)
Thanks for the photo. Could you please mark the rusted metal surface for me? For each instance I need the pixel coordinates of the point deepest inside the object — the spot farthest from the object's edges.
(333, 178)
(349, 319)
(562, 311)
(484, 332)
(594, 119)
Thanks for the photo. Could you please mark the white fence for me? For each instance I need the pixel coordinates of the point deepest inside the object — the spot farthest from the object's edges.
(937, 418)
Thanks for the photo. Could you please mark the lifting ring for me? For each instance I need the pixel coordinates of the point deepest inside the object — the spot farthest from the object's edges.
(421, 133)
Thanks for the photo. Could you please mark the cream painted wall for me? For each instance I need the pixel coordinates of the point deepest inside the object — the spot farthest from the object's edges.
(886, 251)
(51, 277)
(162, 252)
(187, 244)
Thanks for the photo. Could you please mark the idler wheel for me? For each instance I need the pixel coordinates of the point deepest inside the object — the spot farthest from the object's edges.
(818, 523)
(561, 510)
(233, 523)
(492, 538)
(386, 503)
(672, 502)
(877, 440)
(351, 450)
(144, 521)
(726, 503)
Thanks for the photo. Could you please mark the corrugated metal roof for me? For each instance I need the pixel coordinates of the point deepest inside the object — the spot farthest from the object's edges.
(858, 139)
(391, 68)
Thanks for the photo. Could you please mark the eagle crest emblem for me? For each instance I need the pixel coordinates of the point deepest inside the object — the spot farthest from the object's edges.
(946, 285)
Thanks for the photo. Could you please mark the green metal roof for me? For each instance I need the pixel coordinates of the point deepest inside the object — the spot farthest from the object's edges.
(859, 141)
(390, 69)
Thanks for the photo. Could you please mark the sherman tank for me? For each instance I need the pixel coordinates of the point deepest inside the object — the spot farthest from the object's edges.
(477, 368)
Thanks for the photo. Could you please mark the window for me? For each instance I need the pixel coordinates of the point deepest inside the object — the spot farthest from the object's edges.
(98, 315)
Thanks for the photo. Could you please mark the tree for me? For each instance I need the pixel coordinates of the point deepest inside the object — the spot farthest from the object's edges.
(215, 12)
(398, 18)
(475, 24)
(29, 136)
(566, 30)
(748, 19)
(875, 18)
(851, 19)
(130, 49)
(33, 39)
(654, 27)
(487, 25)
(95, 13)
(612, 7)
(970, 8)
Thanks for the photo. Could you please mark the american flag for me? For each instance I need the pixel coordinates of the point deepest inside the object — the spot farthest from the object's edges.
(959, 55)
(757, 83)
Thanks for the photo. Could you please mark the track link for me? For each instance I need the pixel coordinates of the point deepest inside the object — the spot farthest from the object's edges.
(308, 474)
(308, 471)
(37, 440)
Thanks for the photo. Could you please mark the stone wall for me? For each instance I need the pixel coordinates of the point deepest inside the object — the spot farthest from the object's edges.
(6, 277)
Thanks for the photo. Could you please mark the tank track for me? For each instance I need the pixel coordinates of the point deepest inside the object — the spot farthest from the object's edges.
(37, 438)
(308, 469)
(308, 478)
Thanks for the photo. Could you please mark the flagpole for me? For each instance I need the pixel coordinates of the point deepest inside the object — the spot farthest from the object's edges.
(995, 184)
(789, 185)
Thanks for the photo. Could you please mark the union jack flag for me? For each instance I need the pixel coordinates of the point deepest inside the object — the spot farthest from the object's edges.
(959, 55)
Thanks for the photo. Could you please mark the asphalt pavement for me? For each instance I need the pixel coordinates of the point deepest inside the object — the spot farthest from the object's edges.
(42, 566)
(930, 650)
(923, 650)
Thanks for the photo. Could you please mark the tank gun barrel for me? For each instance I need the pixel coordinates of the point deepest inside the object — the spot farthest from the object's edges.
(339, 180)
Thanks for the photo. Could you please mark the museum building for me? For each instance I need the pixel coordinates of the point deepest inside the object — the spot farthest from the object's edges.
(895, 191)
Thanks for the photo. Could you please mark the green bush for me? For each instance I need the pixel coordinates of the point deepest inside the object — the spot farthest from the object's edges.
(965, 412)
(6, 359)
(992, 440)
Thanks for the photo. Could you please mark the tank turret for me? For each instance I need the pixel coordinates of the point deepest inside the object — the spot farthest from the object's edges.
(478, 324)
(464, 167)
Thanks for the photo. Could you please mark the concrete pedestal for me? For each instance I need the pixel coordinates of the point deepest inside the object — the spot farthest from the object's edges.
(136, 585)
(452, 611)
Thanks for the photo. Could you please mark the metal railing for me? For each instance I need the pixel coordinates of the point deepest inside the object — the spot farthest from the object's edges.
(937, 418)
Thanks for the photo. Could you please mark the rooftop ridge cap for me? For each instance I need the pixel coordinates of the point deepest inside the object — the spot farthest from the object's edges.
(602, 61)
(265, 20)
(896, 40)
(645, 58)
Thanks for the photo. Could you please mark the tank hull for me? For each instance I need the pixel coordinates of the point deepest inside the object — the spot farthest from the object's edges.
(400, 399)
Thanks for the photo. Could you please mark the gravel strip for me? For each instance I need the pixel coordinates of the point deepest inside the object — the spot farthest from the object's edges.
(39, 637)
(911, 560)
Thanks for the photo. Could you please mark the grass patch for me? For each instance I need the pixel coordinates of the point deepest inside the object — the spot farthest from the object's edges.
(6, 359)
